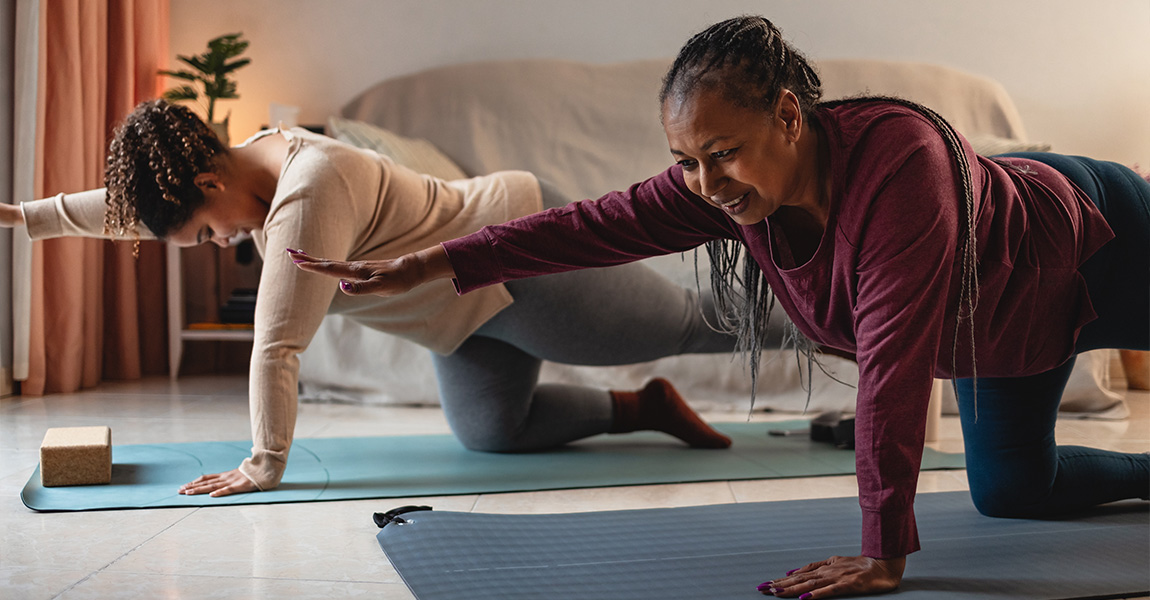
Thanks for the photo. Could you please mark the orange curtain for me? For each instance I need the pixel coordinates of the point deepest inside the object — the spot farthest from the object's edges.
(96, 311)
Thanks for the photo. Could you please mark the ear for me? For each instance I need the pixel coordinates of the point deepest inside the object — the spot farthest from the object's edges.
(789, 114)
(208, 181)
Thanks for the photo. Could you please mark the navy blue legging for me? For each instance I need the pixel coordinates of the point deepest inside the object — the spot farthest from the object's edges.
(1014, 466)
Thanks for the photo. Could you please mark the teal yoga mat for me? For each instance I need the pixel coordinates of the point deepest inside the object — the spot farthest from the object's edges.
(148, 475)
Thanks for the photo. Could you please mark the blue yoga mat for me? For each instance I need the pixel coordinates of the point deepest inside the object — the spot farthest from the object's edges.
(148, 475)
(724, 551)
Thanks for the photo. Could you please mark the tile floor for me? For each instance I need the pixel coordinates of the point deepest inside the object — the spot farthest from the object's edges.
(309, 550)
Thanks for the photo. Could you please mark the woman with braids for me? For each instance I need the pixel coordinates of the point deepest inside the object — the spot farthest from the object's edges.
(169, 177)
(881, 233)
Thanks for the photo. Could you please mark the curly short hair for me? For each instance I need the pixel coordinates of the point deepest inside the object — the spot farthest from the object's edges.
(152, 163)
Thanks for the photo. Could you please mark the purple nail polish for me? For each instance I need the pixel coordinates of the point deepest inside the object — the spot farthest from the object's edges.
(806, 596)
(791, 571)
(345, 286)
(764, 585)
(296, 262)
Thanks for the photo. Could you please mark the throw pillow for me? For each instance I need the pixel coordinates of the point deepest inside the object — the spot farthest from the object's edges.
(416, 154)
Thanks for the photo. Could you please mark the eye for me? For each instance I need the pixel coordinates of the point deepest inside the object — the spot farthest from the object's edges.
(688, 164)
(721, 154)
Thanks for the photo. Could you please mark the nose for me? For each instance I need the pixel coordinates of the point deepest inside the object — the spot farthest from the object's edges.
(711, 180)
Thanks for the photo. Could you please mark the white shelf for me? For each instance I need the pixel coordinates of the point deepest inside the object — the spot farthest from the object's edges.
(177, 334)
(226, 335)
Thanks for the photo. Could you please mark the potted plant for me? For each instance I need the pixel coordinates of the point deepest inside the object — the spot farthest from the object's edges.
(210, 70)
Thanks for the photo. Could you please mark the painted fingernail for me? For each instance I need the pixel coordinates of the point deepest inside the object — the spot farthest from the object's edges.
(765, 585)
(806, 596)
(345, 286)
(792, 571)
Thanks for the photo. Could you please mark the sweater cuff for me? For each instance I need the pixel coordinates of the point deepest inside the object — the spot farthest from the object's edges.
(473, 260)
(42, 218)
(263, 469)
(889, 535)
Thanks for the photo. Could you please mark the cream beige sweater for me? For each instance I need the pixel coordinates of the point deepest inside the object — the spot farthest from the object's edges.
(340, 202)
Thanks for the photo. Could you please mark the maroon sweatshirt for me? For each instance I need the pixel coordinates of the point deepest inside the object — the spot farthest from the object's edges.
(883, 283)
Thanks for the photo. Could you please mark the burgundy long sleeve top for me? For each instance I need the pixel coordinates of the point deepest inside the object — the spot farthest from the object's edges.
(883, 283)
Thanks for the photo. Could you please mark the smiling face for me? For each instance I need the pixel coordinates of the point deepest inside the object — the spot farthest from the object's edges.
(746, 161)
(227, 215)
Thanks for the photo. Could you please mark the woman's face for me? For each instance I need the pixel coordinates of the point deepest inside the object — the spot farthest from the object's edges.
(227, 216)
(742, 160)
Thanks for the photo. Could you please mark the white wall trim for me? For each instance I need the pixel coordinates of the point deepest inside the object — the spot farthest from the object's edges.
(26, 71)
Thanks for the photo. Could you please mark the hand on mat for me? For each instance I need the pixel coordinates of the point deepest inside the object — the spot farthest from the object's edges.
(838, 576)
(220, 484)
(379, 277)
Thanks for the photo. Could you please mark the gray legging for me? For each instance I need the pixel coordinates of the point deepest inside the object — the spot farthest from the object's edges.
(621, 315)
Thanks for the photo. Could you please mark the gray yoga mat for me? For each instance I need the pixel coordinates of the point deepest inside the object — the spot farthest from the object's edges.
(148, 475)
(725, 551)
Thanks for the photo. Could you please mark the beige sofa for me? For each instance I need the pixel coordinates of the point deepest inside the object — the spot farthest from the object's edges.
(589, 129)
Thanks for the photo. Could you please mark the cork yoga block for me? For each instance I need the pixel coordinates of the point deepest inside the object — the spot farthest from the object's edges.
(76, 456)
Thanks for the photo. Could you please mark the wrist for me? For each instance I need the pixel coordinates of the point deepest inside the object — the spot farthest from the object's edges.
(12, 215)
(427, 265)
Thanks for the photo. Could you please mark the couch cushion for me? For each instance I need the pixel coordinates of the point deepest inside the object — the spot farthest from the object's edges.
(416, 154)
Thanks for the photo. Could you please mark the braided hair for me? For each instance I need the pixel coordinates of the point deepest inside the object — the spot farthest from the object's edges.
(153, 160)
(747, 61)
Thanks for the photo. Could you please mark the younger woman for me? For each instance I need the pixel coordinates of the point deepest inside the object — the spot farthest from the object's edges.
(169, 177)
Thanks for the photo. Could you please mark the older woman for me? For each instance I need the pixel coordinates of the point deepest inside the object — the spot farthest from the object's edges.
(169, 177)
(880, 233)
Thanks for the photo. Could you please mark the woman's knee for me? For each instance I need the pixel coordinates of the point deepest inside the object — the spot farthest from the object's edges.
(1003, 498)
(488, 439)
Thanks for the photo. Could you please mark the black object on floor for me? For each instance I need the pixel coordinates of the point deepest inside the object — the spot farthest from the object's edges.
(725, 551)
(836, 428)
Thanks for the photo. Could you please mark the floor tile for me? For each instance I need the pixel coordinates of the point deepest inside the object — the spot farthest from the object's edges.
(600, 499)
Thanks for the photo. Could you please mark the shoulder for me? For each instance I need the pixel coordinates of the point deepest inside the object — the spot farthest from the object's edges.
(880, 130)
(317, 163)
(892, 168)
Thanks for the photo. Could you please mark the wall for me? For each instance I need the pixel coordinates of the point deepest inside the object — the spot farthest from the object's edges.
(1079, 72)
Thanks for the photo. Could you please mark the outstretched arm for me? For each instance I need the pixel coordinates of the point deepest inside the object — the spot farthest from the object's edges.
(380, 277)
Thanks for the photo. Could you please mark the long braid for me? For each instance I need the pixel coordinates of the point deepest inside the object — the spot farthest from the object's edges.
(748, 62)
(153, 160)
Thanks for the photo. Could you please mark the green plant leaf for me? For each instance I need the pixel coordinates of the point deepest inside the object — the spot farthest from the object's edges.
(180, 93)
(186, 75)
(243, 62)
(210, 69)
(195, 62)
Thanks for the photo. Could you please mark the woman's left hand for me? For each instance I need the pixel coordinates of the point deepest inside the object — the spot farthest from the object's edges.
(380, 277)
(838, 576)
(220, 484)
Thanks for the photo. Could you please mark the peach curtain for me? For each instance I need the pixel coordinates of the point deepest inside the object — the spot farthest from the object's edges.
(96, 311)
